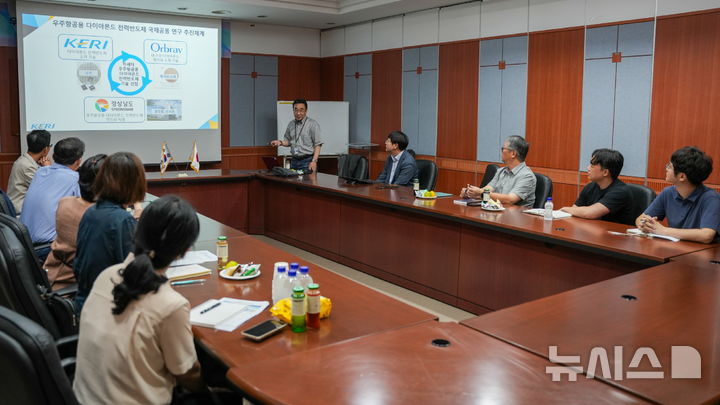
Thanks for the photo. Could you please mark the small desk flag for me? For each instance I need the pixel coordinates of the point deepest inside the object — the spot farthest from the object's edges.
(195, 159)
(165, 158)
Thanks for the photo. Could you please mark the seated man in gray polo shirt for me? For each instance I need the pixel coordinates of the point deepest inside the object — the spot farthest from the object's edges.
(303, 137)
(514, 183)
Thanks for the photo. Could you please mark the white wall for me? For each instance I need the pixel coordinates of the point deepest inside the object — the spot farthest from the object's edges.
(274, 39)
(387, 33)
(358, 38)
(494, 18)
(460, 22)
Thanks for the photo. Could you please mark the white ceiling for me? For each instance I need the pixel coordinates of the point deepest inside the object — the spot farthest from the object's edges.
(321, 14)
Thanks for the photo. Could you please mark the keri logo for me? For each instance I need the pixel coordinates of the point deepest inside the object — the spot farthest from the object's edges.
(685, 362)
(85, 43)
(45, 125)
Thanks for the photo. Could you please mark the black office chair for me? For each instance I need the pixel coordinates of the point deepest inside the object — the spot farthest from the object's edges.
(490, 171)
(353, 166)
(427, 174)
(32, 369)
(24, 284)
(642, 197)
(543, 190)
(6, 205)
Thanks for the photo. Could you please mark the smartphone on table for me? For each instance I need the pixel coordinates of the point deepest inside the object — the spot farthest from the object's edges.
(264, 329)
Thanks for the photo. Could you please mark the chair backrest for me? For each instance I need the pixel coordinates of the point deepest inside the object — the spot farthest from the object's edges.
(353, 166)
(30, 364)
(427, 174)
(642, 197)
(6, 205)
(543, 190)
(490, 171)
(24, 283)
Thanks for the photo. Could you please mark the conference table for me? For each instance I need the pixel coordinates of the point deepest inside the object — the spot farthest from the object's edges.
(406, 366)
(569, 283)
(470, 258)
(671, 305)
(356, 310)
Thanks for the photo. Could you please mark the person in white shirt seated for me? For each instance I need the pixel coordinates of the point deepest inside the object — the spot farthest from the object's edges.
(135, 339)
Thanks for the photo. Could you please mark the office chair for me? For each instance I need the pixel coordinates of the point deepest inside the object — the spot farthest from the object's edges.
(543, 190)
(353, 166)
(24, 283)
(427, 174)
(6, 205)
(642, 197)
(32, 369)
(490, 171)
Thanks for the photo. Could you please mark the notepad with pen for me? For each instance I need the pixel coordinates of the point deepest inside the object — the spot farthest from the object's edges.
(226, 313)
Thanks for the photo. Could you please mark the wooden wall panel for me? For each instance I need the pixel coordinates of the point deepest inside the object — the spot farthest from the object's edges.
(564, 195)
(686, 89)
(6, 162)
(452, 181)
(331, 78)
(457, 100)
(248, 158)
(9, 103)
(376, 167)
(554, 101)
(298, 77)
(386, 95)
(224, 102)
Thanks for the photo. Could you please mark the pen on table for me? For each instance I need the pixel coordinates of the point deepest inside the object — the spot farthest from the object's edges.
(186, 282)
(211, 307)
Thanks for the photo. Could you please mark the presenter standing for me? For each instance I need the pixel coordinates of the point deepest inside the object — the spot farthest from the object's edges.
(303, 137)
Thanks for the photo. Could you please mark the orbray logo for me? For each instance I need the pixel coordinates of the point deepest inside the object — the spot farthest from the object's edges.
(88, 48)
(43, 125)
(165, 47)
(685, 362)
(164, 52)
(86, 43)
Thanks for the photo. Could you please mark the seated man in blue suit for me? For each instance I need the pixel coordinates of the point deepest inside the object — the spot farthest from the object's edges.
(400, 167)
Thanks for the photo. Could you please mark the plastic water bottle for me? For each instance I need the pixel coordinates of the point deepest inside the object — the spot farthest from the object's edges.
(278, 284)
(548, 215)
(290, 282)
(304, 277)
(279, 264)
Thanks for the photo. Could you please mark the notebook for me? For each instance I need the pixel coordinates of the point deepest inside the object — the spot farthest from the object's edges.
(557, 214)
(636, 231)
(189, 271)
(464, 201)
(226, 313)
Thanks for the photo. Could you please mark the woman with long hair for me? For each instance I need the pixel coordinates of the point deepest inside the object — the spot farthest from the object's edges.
(135, 338)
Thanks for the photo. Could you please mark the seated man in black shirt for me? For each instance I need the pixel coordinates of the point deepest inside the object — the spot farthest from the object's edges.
(606, 197)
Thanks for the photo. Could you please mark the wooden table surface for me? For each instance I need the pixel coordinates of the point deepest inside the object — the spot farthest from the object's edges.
(675, 305)
(576, 232)
(357, 310)
(403, 367)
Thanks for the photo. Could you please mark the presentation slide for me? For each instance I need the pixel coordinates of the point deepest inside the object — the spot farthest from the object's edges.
(83, 74)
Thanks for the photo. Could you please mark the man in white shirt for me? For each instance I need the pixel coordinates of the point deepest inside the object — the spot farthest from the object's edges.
(24, 168)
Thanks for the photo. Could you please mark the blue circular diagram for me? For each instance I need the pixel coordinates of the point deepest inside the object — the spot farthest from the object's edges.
(126, 79)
